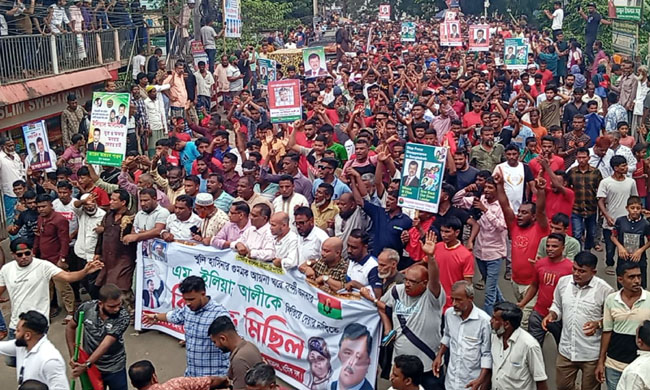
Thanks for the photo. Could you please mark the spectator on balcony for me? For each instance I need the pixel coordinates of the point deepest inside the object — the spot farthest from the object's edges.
(152, 63)
(101, 16)
(38, 18)
(76, 18)
(141, 27)
(70, 118)
(86, 13)
(57, 19)
(22, 20)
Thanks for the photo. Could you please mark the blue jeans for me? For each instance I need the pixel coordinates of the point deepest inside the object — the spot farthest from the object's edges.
(10, 207)
(203, 101)
(11, 360)
(490, 272)
(584, 225)
(612, 377)
(115, 380)
(610, 248)
(211, 55)
(3, 324)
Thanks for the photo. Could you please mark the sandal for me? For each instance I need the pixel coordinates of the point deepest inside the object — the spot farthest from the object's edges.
(598, 248)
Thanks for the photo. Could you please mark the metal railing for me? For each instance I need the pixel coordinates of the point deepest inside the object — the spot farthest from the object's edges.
(25, 57)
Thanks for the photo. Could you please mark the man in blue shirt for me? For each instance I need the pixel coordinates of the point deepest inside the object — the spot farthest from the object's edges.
(595, 123)
(326, 168)
(188, 152)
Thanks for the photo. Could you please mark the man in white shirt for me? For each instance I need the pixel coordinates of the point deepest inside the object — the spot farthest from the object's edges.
(288, 200)
(578, 302)
(180, 225)
(11, 170)
(636, 375)
(58, 17)
(27, 280)
(557, 17)
(517, 361)
(257, 241)
(467, 328)
(36, 357)
(310, 238)
(150, 220)
(286, 241)
(204, 83)
(90, 217)
(517, 177)
(138, 63)
(156, 113)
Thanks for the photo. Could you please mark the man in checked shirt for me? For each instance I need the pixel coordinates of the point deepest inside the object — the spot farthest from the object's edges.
(203, 357)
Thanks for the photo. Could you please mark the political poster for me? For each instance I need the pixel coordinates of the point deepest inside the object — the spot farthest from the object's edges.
(444, 38)
(314, 61)
(384, 12)
(108, 126)
(285, 103)
(515, 53)
(479, 37)
(453, 33)
(625, 9)
(300, 329)
(451, 16)
(198, 53)
(267, 72)
(232, 18)
(422, 174)
(160, 42)
(408, 32)
(37, 145)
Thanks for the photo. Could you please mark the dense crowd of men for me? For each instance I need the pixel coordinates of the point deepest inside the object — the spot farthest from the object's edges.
(546, 167)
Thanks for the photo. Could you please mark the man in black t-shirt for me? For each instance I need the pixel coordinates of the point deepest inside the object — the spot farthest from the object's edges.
(631, 235)
(593, 19)
(23, 226)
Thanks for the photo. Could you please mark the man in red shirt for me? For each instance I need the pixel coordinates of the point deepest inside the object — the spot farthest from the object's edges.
(454, 260)
(548, 272)
(554, 161)
(51, 243)
(527, 229)
(560, 198)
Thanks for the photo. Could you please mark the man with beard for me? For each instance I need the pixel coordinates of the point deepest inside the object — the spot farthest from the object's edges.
(243, 354)
(200, 310)
(288, 200)
(36, 357)
(27, 281)
(213, 218)
(310, 237)
(90, 217)
(105, 322)
(230, 176)
(463, 319)
(517, 361)
(150, 220)
(214, 187)
(350, 217)
(25, 223)
(324, 207)
(486, 155)
(173, 185)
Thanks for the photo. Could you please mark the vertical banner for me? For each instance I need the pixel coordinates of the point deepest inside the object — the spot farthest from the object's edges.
(302, 331)
(453, 33)
(515, 53)
(285, 104)
(422, 173)
(625, 9)
(108, 126)
(232, 18)
(37, 145)
(384, 12)
(267, 72)
(315, 64)
(479, 37)
(408, 32)
(444, 39)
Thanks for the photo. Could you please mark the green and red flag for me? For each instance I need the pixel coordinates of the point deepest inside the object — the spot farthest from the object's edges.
(329, 307)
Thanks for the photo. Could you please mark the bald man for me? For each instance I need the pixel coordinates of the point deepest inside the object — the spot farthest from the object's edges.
(286, 241)
(330, 271)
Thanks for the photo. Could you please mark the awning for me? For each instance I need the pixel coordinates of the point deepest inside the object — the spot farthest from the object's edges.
(20, 92)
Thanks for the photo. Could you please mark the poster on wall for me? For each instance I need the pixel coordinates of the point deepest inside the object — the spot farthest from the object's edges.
(38, 146)
(109, 119)
(301, 330)
(422, 174)
(625, 9)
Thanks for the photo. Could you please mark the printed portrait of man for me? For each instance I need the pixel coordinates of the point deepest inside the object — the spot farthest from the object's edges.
(354, 355)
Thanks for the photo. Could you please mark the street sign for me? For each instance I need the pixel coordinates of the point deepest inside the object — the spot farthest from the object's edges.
(625, 37)
(625, 9)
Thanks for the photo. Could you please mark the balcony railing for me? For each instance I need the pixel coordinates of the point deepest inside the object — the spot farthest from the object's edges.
(25, 57)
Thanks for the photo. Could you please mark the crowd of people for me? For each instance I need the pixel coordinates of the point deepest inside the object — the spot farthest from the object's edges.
(546, 170)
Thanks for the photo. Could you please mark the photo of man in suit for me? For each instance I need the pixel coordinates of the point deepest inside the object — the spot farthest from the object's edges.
(95, 145)
(412, 179)
(354, 355)
(43, 155)
(151, 295)
(479, 39)
(454, 34)
(121, 118)
(283, 97)
(315, 68)
(510, 53)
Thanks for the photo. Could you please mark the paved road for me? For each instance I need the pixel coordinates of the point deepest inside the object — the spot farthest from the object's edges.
(169, 357)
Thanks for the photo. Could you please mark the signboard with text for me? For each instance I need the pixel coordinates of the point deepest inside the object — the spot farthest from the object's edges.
(232, 18)
(625, 9)
(292, 322)
(625, 37)
(285, 104)
(109, 120)
(38, 146)
(384, 12)
(515, 53)
(479, 37)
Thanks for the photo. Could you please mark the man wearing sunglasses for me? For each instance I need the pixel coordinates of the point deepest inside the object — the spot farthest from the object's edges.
(27, 280)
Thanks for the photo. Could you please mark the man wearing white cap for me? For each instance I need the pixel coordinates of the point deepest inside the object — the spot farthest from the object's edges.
(213, 218)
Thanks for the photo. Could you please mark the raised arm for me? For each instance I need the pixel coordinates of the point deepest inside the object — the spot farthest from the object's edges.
(429, 249)
(508, 214)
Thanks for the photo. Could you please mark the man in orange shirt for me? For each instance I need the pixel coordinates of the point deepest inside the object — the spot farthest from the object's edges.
(177, 92)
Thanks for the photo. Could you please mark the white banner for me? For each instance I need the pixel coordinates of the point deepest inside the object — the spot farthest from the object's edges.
(297, 327)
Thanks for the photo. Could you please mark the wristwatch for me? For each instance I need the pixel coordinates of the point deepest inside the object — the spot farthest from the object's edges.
(326, 278)
(309, 263)
(88, 364)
